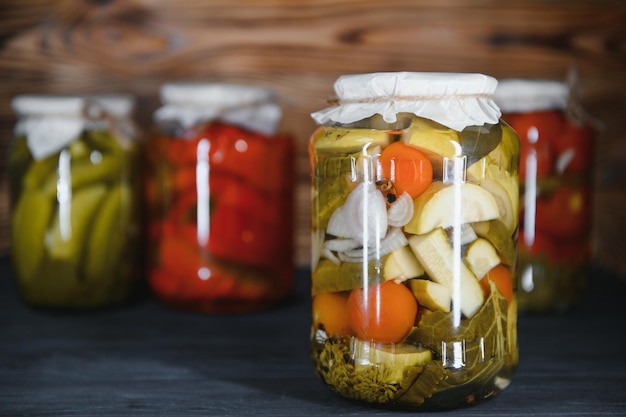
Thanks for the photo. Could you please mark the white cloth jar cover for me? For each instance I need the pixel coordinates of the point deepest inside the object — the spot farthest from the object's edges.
(51, 122)
(191, 103)
(455, 100)
(526, 95)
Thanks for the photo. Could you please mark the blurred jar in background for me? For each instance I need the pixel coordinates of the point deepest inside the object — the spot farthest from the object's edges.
(220, 198)
(74, 200)
(555, 192)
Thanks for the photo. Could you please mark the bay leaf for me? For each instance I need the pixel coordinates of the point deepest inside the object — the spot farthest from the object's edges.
(478, 141)
(483, 338)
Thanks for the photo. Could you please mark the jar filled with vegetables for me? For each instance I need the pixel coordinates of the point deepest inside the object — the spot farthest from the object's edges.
(74, 191)
(220, 199)
(414, 224)
(555, 177)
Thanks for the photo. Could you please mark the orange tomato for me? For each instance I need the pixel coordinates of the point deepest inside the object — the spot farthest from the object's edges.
(384, 313)
(501, 276)
(407, 168)
(330, 309)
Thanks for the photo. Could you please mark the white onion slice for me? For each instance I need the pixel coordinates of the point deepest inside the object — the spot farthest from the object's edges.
(363, 217)
(395, 239)
(330, 256)
(338, 225)
(400, 211)
(317, 241)
(342, 245)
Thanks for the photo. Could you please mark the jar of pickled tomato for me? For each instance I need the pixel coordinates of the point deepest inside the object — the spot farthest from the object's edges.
(74, 192)
(220, 199)
(414, 224)
(555, 176)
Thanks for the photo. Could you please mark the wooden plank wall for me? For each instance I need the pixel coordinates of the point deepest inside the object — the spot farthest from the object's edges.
(300, 47)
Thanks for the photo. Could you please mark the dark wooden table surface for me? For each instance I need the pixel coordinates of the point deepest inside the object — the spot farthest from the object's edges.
(146, 360)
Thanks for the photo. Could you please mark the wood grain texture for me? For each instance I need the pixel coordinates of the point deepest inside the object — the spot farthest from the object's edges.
(300, 47)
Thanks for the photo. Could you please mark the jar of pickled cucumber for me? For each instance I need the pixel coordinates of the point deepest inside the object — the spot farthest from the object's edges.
(74, 200)
(220, 199)
(414, 224)
(555, 177)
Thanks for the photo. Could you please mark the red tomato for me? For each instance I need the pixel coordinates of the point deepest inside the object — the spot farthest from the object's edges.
(236, 236)
(220, 285)
(163, 283)
(537, 127)
(575, 251)
(535, 162)
(565, 214)
(179, 151)
(574, 149)
(180, 257)
(384, 313)
(256, 159)
(537, 132)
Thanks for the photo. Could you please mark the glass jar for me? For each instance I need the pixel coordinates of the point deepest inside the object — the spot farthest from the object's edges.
(74, 208)
(414, 223)
(220, 199)
(555, 177)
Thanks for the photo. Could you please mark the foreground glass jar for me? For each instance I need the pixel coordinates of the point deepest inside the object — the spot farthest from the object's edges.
(220, 197)
(74, 206)
(414, 219)
(555, 177)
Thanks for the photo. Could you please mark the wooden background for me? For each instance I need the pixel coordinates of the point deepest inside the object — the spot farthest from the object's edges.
(300, 48)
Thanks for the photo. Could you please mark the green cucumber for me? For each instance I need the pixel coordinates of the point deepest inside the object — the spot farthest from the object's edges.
(84, 172)
(30, 219)
(40, 172)
(106, 241)
(69, 244)
(330, 277)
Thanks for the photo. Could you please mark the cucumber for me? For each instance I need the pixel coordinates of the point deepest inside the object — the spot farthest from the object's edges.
(330, 277)
(84, 172)
(336, 139)
(70, 242)
(108, 236)
(30, 219)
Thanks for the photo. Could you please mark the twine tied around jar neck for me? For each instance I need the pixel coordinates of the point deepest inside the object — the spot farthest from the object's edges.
(336, 101)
